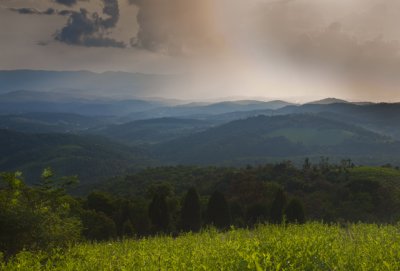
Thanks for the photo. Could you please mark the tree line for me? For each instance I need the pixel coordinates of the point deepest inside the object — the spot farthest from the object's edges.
(44, 216)
(172, 200)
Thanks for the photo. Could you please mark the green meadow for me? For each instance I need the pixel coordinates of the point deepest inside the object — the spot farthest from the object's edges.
(312, 246)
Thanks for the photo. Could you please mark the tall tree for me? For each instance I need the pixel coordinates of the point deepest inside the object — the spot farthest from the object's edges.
(218, 212)
(278, 207)
(257, 213)
(295, 212)
(100, 202)
(191, 211)
(159, 213)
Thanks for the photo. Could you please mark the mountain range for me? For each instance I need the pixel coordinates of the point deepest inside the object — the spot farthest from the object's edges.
(74, 128)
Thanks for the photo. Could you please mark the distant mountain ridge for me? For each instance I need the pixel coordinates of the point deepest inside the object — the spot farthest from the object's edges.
(42, 122)
(24, 101)
(153, 130)
(329, 101)
(109, 84)
(27, 101)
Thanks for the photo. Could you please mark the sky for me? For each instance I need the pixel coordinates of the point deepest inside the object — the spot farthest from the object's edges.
(297, 50)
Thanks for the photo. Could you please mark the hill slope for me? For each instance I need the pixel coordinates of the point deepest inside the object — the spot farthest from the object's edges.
(24, 101)
(153, 130)
(92, 158)
(259, 138)
(42, 122)
(382, 118)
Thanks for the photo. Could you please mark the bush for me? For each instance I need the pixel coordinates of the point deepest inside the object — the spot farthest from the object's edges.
(35, 218)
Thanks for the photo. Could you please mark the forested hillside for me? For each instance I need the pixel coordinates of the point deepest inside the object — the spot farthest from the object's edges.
(260, 139)
(91, 158)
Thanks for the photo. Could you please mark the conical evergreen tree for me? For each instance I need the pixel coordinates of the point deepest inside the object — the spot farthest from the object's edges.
(295, 212)
(278, 207)
(127, 229)
(159, 213)
(191, 211)
(218, 212)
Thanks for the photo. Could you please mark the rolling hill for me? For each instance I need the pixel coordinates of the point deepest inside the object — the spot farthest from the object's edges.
(26, 101)
(153, 130)
(381, 118)
(91, 158)
(260, 139)
(207, 111)
(44, 122)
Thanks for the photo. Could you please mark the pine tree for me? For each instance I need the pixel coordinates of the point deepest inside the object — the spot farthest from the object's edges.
(191, 211)
(278, 207)
(257, 213)
(218, 212)
(127, 228)
(295, 212)
(159, 213)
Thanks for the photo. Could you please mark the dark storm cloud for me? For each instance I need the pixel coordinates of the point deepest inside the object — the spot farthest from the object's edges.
(66, 2)
(25, 10)
(111, 9)
(87, 29)
(83, 27)
(175, 26)
(65, 12)
(49, 11)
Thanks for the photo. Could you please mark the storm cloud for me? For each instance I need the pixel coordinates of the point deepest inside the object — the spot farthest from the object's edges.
(175, 26)
(89, 29)
(49, 11)
(86, 30)
(66, 2)
(111, 9)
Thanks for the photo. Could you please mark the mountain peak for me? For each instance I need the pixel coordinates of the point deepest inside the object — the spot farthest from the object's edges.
(329, 101)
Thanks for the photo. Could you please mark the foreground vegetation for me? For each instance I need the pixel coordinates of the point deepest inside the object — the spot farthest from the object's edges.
(176, 200)
(190, 218)
(312, 246)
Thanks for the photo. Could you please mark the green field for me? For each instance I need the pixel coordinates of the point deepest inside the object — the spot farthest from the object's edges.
(312, 246)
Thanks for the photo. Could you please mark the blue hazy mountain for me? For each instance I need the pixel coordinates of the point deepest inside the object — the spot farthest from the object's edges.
(40, 122)
(153, 130)
(379, 117)
(26, 101)
(109, 84)
(201, 111)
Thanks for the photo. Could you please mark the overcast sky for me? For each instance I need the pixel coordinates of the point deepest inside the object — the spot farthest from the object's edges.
(297, 49)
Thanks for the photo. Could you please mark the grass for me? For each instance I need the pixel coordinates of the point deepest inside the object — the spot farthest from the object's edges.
(312, 246)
